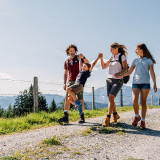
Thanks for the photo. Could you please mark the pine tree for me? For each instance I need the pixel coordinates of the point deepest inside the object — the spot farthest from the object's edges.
(53, 106)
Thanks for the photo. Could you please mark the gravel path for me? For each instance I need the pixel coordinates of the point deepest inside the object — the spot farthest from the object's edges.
(134, 143)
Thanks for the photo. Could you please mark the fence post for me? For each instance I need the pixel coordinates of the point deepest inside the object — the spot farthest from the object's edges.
(35, 94)
(152, 99)
(159, 101)
(121, 98)
(93, 102)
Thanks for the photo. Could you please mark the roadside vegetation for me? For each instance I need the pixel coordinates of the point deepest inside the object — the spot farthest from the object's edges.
(45, 119)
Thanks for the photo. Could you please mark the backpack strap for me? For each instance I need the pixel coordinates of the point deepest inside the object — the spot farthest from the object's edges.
(67, 62)
(120, 59)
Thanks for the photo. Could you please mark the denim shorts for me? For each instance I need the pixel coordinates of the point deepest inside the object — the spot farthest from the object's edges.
(141, 86)
(114, 86)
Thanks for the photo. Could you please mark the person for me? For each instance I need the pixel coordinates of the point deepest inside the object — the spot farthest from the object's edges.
(79, 84)
(141, 81)
(72, 67)
(114, 84)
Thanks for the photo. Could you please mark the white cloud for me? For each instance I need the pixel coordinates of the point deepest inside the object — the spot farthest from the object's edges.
(5, 76)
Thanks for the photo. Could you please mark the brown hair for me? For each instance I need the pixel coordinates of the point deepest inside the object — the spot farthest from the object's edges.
(146, 52)
(121, 48)
(71, 46)
(88, 65)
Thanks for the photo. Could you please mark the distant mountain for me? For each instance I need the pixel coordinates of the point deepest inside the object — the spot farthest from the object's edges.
(101, 99)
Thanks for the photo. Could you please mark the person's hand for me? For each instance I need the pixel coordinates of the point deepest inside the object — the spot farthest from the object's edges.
(155, 87)
(64, 86)
(118, 76)
(100, 55)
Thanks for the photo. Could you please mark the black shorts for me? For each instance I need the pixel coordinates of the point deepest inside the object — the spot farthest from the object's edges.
(114, 86)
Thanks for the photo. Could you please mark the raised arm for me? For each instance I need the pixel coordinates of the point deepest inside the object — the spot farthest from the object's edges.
(81, 56)
(153, 77)
(103, 64)
(94, 63)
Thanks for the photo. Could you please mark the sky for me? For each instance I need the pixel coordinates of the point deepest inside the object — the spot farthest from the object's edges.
(35, 34)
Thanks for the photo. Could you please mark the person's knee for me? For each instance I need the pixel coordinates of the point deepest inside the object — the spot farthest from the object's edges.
(111, 98)
(68, 89)
(143, 103)
(135, 99)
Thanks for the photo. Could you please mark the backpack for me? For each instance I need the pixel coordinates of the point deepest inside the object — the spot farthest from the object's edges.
(125, 79)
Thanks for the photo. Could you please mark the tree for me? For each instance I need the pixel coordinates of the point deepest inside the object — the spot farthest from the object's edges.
(1, 111)
(24, 103)
(53, 106)
(42, 103)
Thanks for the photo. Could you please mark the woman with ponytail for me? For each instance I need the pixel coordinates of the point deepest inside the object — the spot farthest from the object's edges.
(114, 84)
(141, 81)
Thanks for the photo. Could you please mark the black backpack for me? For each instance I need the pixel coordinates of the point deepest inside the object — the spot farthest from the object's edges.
(125, 79)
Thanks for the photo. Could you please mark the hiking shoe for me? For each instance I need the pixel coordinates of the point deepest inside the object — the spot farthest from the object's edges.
(64, 118)
(115, 118)
(136, 120)
(106, 122)
(78, 103)
(142, 125)
(82, 120)
(80, 109)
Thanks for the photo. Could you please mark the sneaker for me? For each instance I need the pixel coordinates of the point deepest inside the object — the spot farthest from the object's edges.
(115, 118)
(136, 120)
(82, 119)
(78, 103)
(64, 118)
(80, 109)
(106, 122)
(142, 125)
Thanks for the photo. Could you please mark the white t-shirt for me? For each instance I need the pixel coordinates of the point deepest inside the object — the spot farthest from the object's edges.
(115, 66)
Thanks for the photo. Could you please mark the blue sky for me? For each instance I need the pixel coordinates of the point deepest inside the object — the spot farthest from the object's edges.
(35, 34)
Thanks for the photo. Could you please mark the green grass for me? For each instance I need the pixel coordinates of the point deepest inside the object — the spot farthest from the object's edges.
(43, 119)
(107, 130)
(9, 158)
(52, 141)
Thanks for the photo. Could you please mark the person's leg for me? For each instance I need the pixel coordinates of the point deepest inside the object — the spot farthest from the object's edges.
(144, 95)
(135, 98)
(72, 94)
(113, 87)
(65, 117)
(70, 99)
(80, 97)
(66, 104)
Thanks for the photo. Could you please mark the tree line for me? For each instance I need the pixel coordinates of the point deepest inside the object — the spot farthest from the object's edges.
(24, 105)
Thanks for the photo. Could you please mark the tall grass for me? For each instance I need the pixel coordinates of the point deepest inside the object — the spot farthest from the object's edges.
(43, 119)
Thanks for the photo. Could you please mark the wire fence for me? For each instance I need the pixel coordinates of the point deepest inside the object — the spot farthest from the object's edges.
(11, 88)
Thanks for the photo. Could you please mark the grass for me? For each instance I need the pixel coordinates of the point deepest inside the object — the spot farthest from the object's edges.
(9, 158)
(86, 132)
(52, 141)
(107, 130)
(43, 119)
